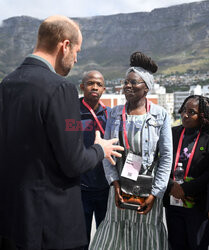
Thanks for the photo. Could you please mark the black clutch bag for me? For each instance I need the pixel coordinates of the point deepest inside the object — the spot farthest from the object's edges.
(133, 192)
(139, 188)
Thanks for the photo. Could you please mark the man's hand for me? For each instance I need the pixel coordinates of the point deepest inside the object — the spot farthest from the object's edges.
(109, 147)
(147, 204)
(177, 191)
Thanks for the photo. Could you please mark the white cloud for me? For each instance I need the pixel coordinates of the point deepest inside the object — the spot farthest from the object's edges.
(79, 8)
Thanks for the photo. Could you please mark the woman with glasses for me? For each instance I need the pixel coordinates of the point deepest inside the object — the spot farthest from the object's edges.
(143, 128)
(185, 198)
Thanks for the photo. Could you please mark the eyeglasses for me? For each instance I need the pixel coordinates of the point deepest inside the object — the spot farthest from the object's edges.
(133, 82)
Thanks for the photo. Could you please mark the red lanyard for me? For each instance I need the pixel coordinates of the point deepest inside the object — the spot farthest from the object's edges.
(94, 115)
(124, 122)
(104, 107)
(178, 154)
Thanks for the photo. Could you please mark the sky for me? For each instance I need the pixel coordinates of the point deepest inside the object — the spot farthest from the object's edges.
(80, 8)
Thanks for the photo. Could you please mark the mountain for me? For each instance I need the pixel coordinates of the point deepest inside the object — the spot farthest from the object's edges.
(177, 38)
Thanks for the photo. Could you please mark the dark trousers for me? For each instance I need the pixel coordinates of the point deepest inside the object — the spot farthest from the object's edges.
(94, 202)
(77, 248)
(6, 244)
(204, 241)
(183, 225)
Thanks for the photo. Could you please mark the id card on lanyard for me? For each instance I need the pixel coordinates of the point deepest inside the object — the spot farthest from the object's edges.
(132, 166)
(191, 156)
(94, 115)
(173, 200)
(176, 202)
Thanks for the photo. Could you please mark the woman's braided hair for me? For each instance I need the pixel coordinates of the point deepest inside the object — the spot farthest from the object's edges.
(203, 109)
(138, 59)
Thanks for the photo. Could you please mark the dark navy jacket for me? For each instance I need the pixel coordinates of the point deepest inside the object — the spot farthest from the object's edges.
(41, 159)
(93, 180)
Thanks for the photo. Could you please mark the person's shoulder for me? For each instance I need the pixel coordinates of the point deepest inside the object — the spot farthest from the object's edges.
(117, 110)
(108, 110)
(80, 100)
(47, 77)
(58, 80)
(82, 107)
(64, 84)
(205, 133)
(58, 85)
(156, 106)
(177, 128)
(157, 109)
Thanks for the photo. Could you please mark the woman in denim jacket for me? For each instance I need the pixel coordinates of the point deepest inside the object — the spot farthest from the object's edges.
(147, 132)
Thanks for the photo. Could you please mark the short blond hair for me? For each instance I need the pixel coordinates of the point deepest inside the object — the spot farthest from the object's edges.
(56, 29)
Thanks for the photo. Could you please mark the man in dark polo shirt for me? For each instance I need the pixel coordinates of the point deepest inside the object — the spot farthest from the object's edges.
(94, 114)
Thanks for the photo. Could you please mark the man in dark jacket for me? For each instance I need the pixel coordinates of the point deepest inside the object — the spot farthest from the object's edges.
(41, 159)
(94, 186)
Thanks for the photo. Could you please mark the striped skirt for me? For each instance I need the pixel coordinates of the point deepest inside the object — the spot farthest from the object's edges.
(127, 230)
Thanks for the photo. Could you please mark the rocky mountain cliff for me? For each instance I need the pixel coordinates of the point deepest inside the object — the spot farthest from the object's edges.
(177, 38)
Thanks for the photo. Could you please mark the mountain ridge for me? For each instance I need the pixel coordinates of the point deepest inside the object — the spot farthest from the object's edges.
(176, 37)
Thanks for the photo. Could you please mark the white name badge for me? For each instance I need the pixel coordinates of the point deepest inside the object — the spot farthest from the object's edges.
(132, 166)
(176, 202)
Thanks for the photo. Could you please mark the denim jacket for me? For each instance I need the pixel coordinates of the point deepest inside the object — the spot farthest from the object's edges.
(156, 133)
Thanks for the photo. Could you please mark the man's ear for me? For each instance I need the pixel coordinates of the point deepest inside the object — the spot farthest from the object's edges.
(103, 90)
(66, 43)
(82, 86)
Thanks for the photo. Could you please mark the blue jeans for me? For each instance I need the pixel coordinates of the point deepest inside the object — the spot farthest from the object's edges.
(94, 202)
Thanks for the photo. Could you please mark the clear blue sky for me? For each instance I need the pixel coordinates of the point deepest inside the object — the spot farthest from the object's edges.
(79, 8)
